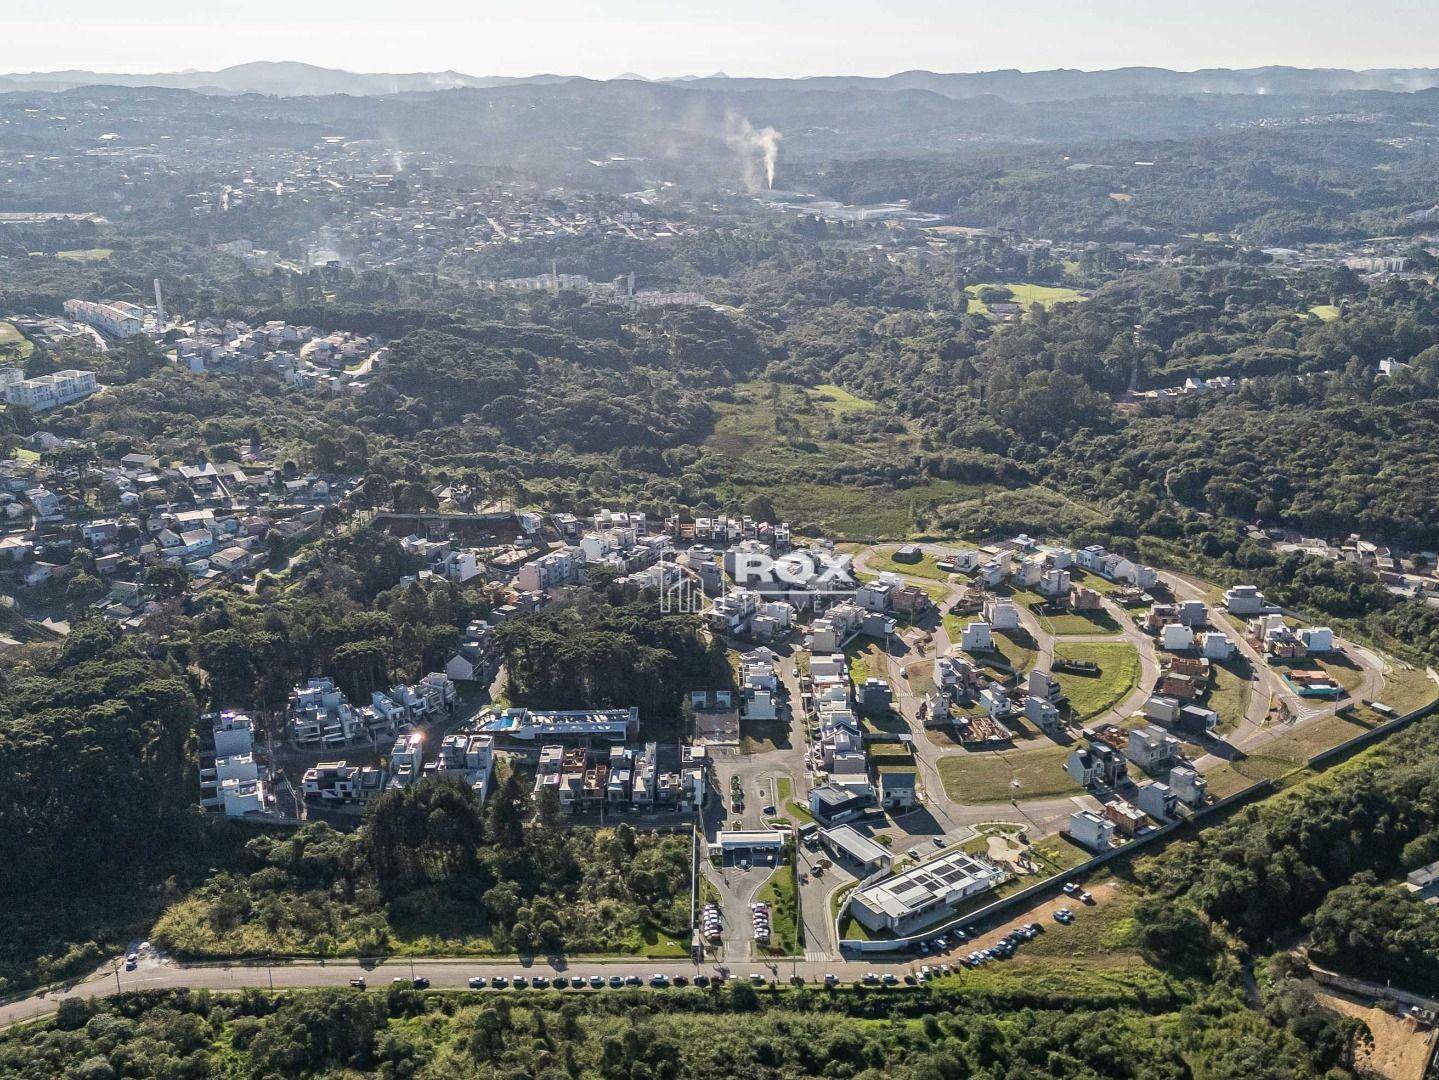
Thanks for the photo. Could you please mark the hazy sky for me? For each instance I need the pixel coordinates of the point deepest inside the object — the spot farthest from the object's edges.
(741, 37)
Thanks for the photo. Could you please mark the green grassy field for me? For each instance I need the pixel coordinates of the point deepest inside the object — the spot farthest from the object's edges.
(866, 659)
(13, 342)
(1344, 671)
(1015, 650)
(1324, 312)
(989, 776)
(882, 558)
(85, 255)
(1118, 675)
(1232, 691)
(775, 439)
(839, 401)
(1407, 688)
(1073, 624)
(1026, 295)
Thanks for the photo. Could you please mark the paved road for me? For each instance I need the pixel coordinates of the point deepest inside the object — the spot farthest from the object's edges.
(442, 973)
(1255, 730)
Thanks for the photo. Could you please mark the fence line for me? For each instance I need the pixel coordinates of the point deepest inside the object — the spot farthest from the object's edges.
(1374, 734)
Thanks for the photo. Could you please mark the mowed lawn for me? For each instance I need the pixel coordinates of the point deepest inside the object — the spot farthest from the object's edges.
(1079, 623)
(839, 400)
(1026, 295)
(882, 558)
(12, 341)
(1090, 695)
(990, 776)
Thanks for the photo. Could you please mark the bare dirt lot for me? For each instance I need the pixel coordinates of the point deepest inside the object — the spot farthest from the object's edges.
(1400, 1051)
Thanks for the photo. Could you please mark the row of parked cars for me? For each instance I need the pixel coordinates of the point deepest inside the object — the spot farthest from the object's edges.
(711, 923)
(1006, 947)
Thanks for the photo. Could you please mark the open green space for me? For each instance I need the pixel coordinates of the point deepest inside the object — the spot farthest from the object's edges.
(1014, 651)
(1231, 691)
(1325, 312)
(1303, 742)
(882, 558)
(989, 776)
(1407, 688)
(1343, 670)
(1090, 695)
(866, 660)
(85, 254)
(1026, 295)
(13, 343)
(1078, 623)
(839, 400)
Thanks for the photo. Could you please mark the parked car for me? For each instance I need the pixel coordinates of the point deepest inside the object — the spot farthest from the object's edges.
(633, 980)
(1070, 888)
(597, 982)
(419, 982)
(477, 982)
(616, 982)
(499, 982)
(658, 980)
(358, 984)
(831, 979)
(701, 980)
(540, 982)
(562, 982)
(521, 983)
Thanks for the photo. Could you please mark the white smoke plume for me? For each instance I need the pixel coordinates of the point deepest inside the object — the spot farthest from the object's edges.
(758, 148)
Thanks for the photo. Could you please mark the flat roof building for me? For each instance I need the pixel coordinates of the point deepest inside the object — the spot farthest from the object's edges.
(925, 894)
(856, 850)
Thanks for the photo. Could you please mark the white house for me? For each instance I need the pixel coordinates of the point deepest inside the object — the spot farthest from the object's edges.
(994, 701)
(1245, 600)
(1176, 637)
(1001, 614)
(1215, 646)
(1092, 831)
(976, 637)
(1317, 639)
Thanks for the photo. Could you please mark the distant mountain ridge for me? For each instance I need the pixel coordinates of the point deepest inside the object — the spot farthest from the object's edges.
(295, 79)
(282, 78)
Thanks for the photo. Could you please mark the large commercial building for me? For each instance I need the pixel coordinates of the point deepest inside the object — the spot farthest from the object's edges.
(47, 391)
(924, 894)
(118, 320)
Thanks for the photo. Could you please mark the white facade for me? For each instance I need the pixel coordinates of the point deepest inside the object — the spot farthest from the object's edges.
(49, 391)
(1002, 614)
(1176, 637)
(1090, 830)
(976, 637)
